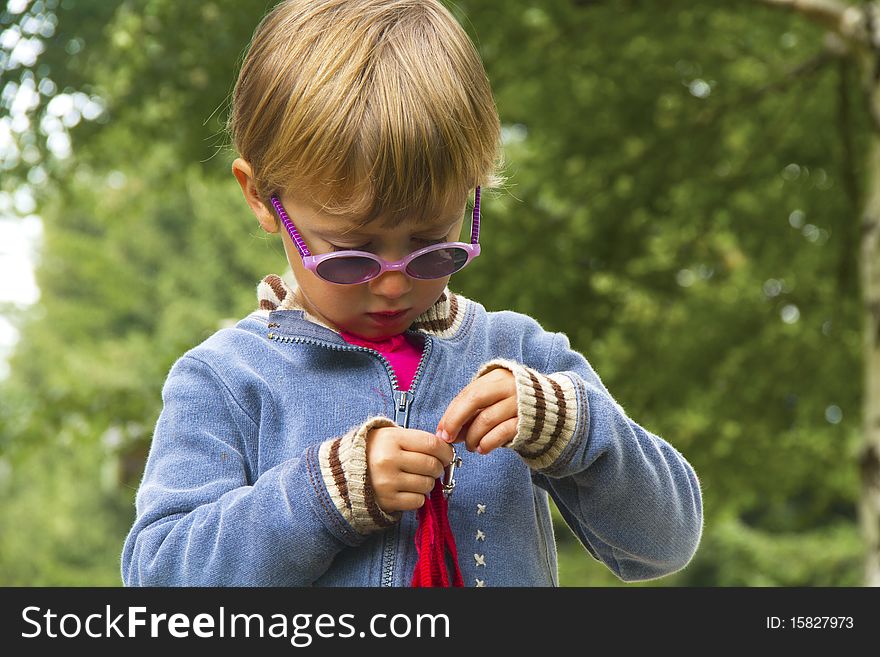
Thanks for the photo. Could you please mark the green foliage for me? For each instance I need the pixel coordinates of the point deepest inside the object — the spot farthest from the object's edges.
(62, 513)
(682, 203)
(734, 554)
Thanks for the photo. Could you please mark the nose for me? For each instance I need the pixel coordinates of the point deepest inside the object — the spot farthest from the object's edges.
(391, 284)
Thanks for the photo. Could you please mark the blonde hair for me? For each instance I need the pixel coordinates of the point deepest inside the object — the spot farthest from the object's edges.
(366, 108)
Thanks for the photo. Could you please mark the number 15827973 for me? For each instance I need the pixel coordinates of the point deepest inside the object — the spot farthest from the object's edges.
(810, 623)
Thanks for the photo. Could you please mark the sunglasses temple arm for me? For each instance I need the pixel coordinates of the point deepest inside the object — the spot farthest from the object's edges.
(475, 219)
(291, 229)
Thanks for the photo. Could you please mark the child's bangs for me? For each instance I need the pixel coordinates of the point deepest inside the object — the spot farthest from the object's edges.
(390, 182)
(401, 158)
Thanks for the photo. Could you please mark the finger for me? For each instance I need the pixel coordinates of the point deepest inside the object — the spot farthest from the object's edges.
(409, 501)
(486, 420)
(500, 436)
(477, 395)
(411, 483)
(422, 442)
(463, 431)
(424, 465)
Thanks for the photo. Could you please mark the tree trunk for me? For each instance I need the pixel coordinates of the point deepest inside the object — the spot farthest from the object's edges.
(869, 507)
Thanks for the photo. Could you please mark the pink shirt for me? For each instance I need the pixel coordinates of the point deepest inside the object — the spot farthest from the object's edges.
(403, 355)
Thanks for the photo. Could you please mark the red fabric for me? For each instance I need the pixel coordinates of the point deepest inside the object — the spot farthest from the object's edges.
(434, 539)
(433, 536)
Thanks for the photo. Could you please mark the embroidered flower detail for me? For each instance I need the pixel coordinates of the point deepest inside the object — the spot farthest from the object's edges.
(480, 559)
(481, 508)
(479, 583)
(481, 536)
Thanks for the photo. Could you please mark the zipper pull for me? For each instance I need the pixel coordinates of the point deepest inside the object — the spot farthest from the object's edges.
(403, 400)
(449, 473)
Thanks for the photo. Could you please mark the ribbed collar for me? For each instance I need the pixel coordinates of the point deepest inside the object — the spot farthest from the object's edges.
(442, 320)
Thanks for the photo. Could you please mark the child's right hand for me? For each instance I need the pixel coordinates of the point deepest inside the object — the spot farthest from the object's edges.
(403, 465)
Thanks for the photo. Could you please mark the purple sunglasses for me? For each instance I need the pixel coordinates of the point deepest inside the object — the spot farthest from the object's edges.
(352, 267)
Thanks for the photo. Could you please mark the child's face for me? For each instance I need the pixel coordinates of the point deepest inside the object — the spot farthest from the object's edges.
(353, 307)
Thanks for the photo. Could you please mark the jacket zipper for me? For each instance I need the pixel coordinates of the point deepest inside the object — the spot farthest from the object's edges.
(403, 400)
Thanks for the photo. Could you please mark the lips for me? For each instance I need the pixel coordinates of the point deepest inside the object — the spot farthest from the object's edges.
(387, 319)
(389, 313)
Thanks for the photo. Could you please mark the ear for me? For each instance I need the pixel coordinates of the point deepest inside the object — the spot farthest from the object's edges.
(245, 177)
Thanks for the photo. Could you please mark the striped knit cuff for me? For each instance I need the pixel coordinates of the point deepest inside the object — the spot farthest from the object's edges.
(547, 410)
(344, 468)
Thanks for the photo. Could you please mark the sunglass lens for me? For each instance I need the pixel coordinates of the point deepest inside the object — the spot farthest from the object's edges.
(439, 263)
(348, 270)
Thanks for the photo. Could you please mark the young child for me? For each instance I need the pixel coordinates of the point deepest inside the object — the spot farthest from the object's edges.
(311, 444)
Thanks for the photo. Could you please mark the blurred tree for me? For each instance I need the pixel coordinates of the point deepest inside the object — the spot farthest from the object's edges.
(854, 33)
(683, 179)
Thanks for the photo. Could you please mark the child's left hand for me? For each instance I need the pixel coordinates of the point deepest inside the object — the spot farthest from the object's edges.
(483, 414)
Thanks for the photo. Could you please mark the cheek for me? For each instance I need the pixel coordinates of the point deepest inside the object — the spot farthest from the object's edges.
(430, 291)
(345, 299)
(340, 298)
